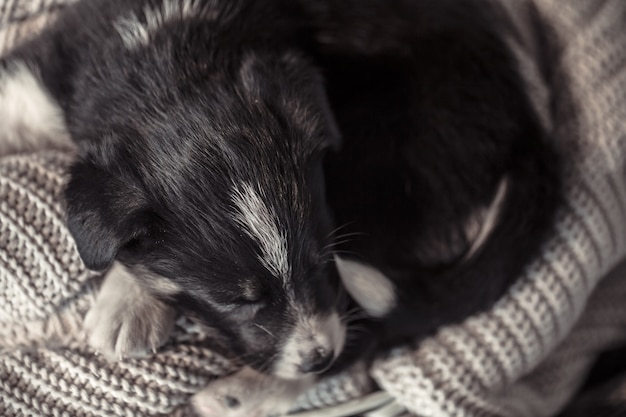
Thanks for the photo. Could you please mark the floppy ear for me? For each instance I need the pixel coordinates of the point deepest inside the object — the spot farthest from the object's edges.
(103, 214)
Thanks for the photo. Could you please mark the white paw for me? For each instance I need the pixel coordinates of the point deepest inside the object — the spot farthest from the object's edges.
(126, 320)
(248, 393)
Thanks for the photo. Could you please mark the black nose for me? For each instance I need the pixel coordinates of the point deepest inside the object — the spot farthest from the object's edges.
(318, 361)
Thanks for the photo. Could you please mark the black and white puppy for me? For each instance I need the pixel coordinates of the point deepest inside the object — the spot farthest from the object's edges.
(446, 184)
(200, 127)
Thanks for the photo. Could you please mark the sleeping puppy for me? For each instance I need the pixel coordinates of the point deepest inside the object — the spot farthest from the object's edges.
(445, 187)
(200, 128)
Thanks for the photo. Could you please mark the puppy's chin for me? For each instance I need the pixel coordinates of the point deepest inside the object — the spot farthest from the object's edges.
(311, 347)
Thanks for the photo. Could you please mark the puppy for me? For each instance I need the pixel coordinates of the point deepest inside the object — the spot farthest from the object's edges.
(200, 127)
(446, 184)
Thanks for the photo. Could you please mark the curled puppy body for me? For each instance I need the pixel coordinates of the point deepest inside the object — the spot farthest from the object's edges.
(446, 185)
(200, 127)
(200, 166)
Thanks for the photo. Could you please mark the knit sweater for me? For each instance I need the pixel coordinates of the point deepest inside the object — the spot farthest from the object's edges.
(525, 356)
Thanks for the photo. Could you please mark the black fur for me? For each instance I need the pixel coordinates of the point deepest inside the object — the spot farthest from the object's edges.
(432, 112)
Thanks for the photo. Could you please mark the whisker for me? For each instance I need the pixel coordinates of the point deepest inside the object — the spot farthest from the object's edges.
(355, 312)
(348, 319)
(347, 237)
(265, 365)
(339, 252)
(343, 226)
(264, 329)
(335, 244)
(258, 364)
(351, 234)
(358, 329)
(333, 236)
(352, 311)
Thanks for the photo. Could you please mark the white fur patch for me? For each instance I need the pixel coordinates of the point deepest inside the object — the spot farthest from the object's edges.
(309, 334)
(155, 282)
(126, 320)
(368, 286)
(261, 223)
(480, 225)
(31, 119)
(136, 33)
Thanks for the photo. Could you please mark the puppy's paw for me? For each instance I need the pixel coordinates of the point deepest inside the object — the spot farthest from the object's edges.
(248, 394)
(126, 321)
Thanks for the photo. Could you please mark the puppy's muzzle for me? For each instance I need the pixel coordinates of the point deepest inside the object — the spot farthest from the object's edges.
(312, 346)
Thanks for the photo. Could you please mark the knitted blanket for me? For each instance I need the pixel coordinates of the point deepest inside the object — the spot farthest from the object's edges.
(526, 356)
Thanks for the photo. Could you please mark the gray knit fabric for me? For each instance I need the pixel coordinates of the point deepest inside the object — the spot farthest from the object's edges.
(524, 357)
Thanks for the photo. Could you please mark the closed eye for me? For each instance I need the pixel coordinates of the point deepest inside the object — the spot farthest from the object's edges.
(251, 298)
(247, 300)
(244, 307)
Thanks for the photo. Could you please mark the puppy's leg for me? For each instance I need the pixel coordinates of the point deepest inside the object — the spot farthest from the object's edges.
(248, 394)
(126, 320)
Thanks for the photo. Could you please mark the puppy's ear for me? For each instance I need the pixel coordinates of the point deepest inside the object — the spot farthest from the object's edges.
(104, 213)
(332, 127)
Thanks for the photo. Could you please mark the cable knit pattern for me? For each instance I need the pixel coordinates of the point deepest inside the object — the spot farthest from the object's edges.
(526, 356)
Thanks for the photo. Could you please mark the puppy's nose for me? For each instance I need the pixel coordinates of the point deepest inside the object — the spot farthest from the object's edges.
(317, 361)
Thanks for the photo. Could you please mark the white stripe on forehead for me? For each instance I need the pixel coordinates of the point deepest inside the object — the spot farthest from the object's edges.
(260, 223)
(135, 33)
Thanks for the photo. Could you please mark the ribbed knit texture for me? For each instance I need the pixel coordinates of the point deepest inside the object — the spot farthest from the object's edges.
(524, 357)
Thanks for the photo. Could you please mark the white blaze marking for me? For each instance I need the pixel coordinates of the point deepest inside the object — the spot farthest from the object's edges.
(368, 286)
(261, 223)
(31, 118)
(135, 33)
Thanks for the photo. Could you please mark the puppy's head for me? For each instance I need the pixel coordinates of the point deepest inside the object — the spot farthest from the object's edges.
(208, 173)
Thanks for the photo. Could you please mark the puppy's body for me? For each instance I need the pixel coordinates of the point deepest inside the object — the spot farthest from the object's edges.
(446, 182)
